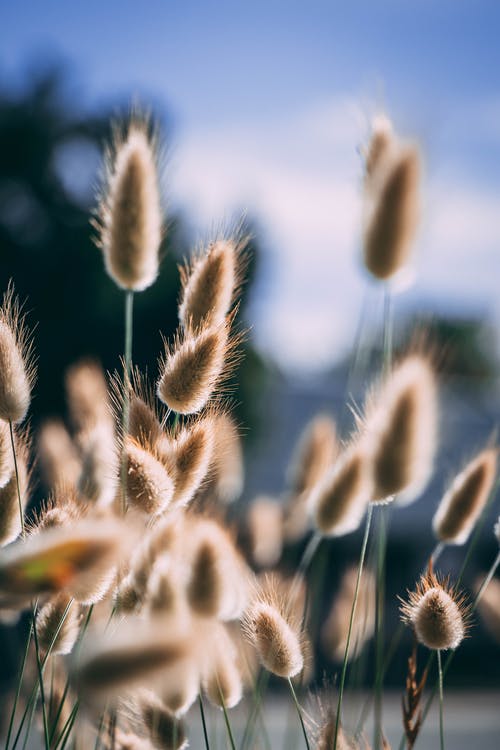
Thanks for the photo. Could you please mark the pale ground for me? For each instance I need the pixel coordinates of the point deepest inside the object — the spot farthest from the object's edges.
(472, 720)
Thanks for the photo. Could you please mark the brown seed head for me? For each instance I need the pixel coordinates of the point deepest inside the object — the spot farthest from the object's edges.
(464, 501)
(58, 624)
(10, 521)
(401, 424)
(193, 369)
(341, 497)
(227, 469)
(150, 487)
(87, 396)
(315, 454)
(274, 632)
(189, 455)
(100, 465)
(326, 737)
(58, 456)
(163, 730)
(17, 370)
(129, 216)
(437, 613)
(392, 215)
(209, 284)
(265, 526)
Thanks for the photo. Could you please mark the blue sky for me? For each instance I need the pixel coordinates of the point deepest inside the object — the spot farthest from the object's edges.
(270, 102)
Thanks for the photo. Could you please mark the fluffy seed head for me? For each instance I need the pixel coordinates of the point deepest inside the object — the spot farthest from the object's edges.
(315, 453)
(129, 216)
(209, 283)
(189, 455)
(180, 685)
(59, 460)
(227, 469)
(401, 425)
(274, 633)
(17, 371)
(149, 486)
(341, 497)
(380, 147)
(6, 458)
(222, 679)
(140, 651)
(100, 465)
(217, 585)
(326, 738)
(162, 729)
(265, 526)
(336, 627)
(437, 613)
(10, 521)
(78, 560)
(464, 501)
(87, 395)
(192, 370)
(60, 638)
(392, 215)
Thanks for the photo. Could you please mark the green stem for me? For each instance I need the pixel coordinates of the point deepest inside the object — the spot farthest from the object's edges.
(379, 629)
(19, 684)
(16, 470)
(203, 721)
(260, 687)
(351, 621)
(299, 712)
(227, 722)
(441, 723)
(40, 682)
(127, 368)
(487, 580)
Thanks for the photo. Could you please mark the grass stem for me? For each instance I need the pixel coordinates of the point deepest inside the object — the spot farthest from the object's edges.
(299, 712)
(441, 722)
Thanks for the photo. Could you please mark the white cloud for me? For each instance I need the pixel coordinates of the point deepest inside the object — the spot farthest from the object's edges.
(300, 176)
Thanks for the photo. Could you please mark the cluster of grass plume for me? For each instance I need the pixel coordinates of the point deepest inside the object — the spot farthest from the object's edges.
(143, 585)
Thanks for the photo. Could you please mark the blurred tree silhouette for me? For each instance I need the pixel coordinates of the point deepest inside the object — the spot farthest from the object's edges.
(49, 161)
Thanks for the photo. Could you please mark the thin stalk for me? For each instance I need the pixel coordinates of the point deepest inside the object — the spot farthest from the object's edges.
(19, 684)
(40, 681)
(66, 732)
(204, 723)
(127, 368)
(351, 621)
(441, 722)
(299, 712)
(16, 470)
(259, 688)
(487, 580)
(226, 719)
(379, 629)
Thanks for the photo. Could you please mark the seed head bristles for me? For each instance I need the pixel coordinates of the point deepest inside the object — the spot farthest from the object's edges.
(48, 623)
(465, 499)
(401, 427)
(210, 283)
(87, 396)
(218, 581)
(265, 527)
(489, 606)
(193, 369)
(6, 457)
(78, 560)
(326, 737)
(379, 151)
(437, 613)
(58, 456)
(315, 453)
(129, 741)
(163, 594)
(392, 213)
(10, 521)
(336, 627)
(189, 455)
(63, 508)
(137, 652)
(129, 217)
(98, 480)
(162, 729)
(17, 365)
(150, 487)
(227, 468)
(340, 499)
(221, 678)
(274, 632)
(180, 684)
(144, 423)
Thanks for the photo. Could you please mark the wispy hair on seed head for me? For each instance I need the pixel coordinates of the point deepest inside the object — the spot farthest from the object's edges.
(10, 520)
(17, 361)
(129, 217)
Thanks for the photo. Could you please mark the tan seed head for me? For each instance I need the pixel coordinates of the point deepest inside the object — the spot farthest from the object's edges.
(17, 371)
